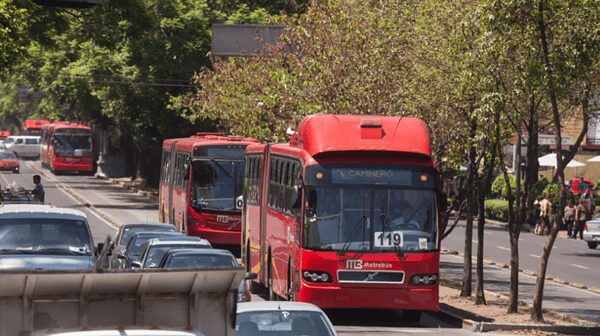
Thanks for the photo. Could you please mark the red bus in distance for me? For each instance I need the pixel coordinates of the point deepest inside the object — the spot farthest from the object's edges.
(67, 147)
(34, 126)
(345, 215)
(4, 134)
(201, 186)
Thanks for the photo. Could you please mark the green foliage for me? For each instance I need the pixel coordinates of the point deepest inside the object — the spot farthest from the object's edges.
(538, 188)
(499, 185)
(496, 209)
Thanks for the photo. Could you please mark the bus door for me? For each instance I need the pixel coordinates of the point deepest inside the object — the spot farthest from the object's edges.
(263, 213)
(170, 182)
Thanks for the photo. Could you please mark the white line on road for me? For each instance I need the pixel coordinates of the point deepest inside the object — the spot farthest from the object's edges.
(579, 266)
(503, 248)
(535, 256)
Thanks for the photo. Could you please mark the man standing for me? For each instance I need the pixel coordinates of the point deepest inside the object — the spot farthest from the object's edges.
(38, 192)
(581, 216)
(569, 217)
(588, 202)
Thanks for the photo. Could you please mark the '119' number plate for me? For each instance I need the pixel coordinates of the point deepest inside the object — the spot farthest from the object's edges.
(388, 239)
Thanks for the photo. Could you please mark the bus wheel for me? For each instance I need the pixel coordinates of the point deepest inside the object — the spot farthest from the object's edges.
(413, 316)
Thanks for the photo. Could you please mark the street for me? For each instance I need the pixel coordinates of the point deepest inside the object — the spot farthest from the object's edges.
(571, 260)
(92, 196)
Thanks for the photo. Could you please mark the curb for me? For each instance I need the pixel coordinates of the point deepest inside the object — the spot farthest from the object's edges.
(577, 285)
(152, 195)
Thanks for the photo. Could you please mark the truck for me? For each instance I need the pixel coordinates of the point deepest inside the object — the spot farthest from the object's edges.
(46, 302)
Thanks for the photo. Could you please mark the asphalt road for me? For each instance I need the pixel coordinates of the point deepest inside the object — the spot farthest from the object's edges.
(82, 192)
(570, 260)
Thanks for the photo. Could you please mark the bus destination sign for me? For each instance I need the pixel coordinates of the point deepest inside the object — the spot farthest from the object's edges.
(371, 176)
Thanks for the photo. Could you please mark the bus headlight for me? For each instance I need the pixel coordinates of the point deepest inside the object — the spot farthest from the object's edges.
(316, 276)
(423, 279)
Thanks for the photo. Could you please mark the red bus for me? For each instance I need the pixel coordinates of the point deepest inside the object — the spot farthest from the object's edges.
(201, 186)
(345, 215)
(66, 146)
(34, 126)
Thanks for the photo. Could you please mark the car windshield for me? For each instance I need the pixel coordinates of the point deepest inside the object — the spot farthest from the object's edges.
(216, 184)
(129, 232)
(156, 253)
(136, 243)
(7, 156)
(370, 218)
(8, 141)
(282, 322)
(37, 235)
(73, 144)
(200, 260)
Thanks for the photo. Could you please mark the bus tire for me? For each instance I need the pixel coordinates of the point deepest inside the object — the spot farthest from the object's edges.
(413, 316)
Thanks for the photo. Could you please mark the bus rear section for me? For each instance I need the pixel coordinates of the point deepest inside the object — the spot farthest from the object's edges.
(201, 186)
(34, 126)
(67, 147)
(347, 215)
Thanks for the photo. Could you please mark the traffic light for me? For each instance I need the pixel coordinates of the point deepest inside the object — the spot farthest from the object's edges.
(69, 3)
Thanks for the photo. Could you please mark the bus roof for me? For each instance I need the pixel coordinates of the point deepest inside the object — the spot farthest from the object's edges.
(57, 125)
(207, 139)
(324, 133)
(34, 123)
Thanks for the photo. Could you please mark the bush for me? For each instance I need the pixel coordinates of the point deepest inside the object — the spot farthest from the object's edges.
(499, 186)
(538, 188)
(496, 209)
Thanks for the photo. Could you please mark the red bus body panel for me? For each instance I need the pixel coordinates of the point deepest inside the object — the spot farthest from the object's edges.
(272, 248)
(34, 126)
(174, 206)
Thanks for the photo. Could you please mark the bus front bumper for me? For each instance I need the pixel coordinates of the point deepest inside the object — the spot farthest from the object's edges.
(405, 298)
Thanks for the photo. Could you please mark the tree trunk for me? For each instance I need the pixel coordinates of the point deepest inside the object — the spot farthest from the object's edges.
(533, 166)
(536, 312)
(466, 289)
(129, 151)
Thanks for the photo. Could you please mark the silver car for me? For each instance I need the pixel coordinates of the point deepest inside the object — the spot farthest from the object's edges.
(281, 318)
(155, 249)
(591, 232)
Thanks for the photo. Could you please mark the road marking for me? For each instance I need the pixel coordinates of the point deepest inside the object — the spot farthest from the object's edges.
(579, 266)
(503, 248)
(535, 256)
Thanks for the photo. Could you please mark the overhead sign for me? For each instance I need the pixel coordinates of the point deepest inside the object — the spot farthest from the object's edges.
(371, 176)
(243, 39)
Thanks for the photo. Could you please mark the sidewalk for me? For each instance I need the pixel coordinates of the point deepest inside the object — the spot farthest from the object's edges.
(579, 303)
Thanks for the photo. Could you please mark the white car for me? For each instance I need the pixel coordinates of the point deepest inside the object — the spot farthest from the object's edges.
(259, 318)
(591, 232)
(24, 146)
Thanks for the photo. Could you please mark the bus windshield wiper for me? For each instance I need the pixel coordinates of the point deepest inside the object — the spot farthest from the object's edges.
(361, 222)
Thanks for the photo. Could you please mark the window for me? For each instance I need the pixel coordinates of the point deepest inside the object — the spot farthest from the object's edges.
(31, 141)
(281, 184)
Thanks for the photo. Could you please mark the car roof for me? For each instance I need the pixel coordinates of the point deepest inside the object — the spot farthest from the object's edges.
(39, 211)
(184, 251)
(245, 307)
(131, 225)
(182, 240)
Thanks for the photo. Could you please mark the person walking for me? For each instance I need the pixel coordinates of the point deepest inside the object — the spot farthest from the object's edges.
(38, 192)
(581, 216)
(569, 217)
(589, 203)
(537, 210)
(545, 215)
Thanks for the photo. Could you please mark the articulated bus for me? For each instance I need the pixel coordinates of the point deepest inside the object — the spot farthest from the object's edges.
(34, 126)
(345, 215)
(67, 147)
(201, 186)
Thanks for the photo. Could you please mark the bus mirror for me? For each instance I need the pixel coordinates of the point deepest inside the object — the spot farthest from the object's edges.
(312, 201)
(186, 168)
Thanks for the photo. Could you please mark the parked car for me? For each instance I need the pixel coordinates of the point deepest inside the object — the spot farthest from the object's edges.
(209, 258)
(281, 318)
(134, 247)
(24, 146)
(35, 236)
(8, 161)
(155, 249)
(591, 232)
(127, 231)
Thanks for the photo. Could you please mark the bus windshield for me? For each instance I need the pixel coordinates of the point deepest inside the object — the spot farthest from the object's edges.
(216, 184)
(370, 218)
(73, 144)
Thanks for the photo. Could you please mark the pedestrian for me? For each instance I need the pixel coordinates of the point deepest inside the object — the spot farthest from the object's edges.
(581, 216)
(569, 217)
(588, 202)
(38, 192)
(545, 214)
(537, 209)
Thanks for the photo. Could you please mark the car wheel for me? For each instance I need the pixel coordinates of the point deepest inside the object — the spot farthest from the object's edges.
(413, 316)
(592, 245)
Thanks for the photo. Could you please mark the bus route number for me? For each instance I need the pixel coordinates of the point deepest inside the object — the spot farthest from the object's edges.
(388, 239)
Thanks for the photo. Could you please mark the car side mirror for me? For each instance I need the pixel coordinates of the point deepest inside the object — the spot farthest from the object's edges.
(295, 197)
(136, 264)
(251, 276)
